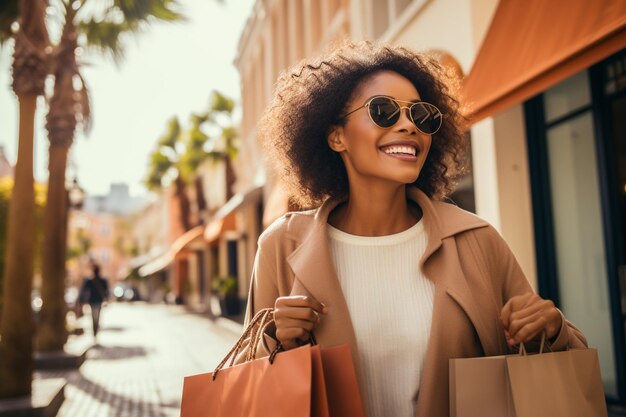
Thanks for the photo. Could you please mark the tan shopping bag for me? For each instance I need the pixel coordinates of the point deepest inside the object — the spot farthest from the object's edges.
(554, 384)
(303, 382)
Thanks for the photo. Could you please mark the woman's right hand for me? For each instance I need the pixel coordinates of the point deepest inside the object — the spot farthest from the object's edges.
(295, 317)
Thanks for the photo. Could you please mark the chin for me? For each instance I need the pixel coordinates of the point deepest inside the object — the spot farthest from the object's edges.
(408, 178)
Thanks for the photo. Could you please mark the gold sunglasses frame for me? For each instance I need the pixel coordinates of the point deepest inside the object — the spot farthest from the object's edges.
(400, 108)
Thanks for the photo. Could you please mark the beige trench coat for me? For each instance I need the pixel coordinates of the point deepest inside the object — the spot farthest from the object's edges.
(473, 270)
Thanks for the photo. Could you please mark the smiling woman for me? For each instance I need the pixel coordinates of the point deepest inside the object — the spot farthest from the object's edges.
(372, 136)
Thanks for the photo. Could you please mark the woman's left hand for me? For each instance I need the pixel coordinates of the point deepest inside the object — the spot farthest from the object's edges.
(525, 316)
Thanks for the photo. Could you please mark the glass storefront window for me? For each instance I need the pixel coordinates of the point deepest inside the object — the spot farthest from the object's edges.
(570, 95)
(615, 76)
(578, 233)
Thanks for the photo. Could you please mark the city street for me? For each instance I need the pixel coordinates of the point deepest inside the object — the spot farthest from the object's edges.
(143, 351)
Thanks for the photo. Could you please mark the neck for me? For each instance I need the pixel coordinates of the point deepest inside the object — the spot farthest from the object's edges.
(375, 211)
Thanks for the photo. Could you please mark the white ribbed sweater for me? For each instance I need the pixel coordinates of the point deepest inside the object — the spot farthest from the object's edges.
(391, 304)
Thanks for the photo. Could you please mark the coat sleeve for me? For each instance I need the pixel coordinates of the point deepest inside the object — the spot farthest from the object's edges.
(512, 282)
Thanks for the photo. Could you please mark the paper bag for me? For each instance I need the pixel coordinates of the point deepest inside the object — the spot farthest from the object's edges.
(555, 384)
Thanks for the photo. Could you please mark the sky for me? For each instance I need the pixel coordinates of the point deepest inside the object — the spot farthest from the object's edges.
(168, 69)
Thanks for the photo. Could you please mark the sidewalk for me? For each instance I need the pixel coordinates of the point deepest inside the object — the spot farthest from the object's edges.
(142, 354)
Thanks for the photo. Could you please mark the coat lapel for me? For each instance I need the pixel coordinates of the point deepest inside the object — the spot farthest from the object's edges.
(315, 276)
(443, 222)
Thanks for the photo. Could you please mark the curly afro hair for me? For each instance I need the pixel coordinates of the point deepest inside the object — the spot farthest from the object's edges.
(309, 99)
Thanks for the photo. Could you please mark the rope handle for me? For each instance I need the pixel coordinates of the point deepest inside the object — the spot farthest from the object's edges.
(252, 332)
(279, 347)
(544, 344)
(257, 335)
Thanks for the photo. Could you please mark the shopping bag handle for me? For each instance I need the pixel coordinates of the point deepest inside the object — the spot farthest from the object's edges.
(522, 348)
(254, 331)
(279, 347)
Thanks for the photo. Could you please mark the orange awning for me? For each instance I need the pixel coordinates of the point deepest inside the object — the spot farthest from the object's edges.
(186, 239)
(225, 218)
(216, 227)
(164, 260)
(532, 45)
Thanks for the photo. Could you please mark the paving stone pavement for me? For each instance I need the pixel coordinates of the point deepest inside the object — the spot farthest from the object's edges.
(142, 353)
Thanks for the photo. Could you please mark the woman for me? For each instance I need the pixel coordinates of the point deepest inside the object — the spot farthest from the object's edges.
(372, 137)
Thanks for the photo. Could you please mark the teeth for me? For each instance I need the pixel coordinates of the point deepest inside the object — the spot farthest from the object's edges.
(409, 150)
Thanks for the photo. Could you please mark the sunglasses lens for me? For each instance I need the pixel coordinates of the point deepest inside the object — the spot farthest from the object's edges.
(384, 111)
(427, 117)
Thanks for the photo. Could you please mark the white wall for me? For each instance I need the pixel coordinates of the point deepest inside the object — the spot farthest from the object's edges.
(441, 24)
(514, 194)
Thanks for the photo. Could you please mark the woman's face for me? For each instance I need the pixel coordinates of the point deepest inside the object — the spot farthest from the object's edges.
(371, 153)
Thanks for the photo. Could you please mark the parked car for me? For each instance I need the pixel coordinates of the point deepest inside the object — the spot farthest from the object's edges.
(125, 292)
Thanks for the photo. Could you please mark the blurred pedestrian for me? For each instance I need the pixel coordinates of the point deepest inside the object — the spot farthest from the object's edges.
(95, 292)
(371, 138)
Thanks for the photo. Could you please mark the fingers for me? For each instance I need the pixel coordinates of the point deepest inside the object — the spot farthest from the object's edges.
(295, 317)
(297, 313)
(526, 329)
(514, 304)
(301, 301)
(525, 317)
(300, 330)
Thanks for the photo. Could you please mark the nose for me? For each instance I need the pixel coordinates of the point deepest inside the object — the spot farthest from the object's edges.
(404, 123)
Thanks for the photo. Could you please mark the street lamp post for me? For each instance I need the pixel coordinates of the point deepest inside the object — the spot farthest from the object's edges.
(76, 196)
(75, 202)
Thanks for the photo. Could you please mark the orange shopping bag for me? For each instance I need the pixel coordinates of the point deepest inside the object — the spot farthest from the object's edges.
(303, 382)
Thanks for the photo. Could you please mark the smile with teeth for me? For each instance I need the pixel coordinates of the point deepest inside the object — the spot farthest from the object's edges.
(403, 150)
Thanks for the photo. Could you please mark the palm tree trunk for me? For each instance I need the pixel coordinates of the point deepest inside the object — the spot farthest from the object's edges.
(16, 345)
(200, 198)
(183, 201)
(61, 123)
(51, 331)
(30, 68)
(231, 178)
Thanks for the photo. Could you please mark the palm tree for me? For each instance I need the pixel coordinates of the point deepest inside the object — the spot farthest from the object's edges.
(69, 106)
(178, 154)
(165, 162)
(222, 146)
(30, 68)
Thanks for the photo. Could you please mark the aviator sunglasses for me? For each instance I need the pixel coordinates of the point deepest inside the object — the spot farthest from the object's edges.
(385, 112)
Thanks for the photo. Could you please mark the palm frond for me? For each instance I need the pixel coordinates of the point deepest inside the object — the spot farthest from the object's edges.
(221, 103)
(197, 119)
(9, 13)
(172, 134)
(158, 166)
(196, 138)
(104, 36)
(144, 10)
(83, 104)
